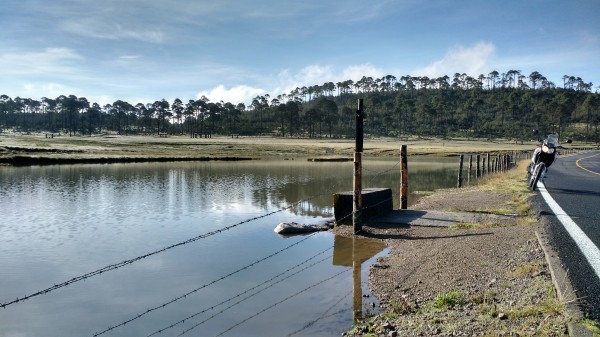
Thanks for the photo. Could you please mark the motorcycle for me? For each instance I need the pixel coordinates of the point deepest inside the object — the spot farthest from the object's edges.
(543, 157)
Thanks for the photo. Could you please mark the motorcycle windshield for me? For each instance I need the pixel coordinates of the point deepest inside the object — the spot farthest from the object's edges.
(552, 139)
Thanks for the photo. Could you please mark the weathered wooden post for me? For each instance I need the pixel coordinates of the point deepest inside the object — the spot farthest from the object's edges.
(460, 169)
(357, 197)
(498, 167)
(489, 163)
(483, 166)
(470, 168)
(403, 178)
(478, 167)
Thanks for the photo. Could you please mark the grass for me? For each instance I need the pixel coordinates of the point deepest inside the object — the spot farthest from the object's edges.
(448, 300)
(466, 225)
(591, 325)
(528, 269)
(174, 146)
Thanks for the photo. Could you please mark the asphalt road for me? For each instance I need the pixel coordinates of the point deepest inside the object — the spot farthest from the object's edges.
(574, 183)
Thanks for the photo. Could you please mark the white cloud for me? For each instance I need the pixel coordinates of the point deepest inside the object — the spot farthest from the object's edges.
(470, 60)
(356, 72)
(237, 94)
(100, 29)
(317, 75)
(50, 90)
(48, 61)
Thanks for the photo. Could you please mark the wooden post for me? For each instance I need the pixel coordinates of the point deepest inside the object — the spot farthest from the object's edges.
(460, 169)
(357, 197)
(483, 167)
(478, 167)
(359, 126)
(489, 163)
(498, 167)
(470, 168)
(403, 178)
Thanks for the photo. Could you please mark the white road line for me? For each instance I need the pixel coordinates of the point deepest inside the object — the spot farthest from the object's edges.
(586, 246)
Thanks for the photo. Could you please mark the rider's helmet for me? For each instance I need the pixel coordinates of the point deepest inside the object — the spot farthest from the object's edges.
(550, 143)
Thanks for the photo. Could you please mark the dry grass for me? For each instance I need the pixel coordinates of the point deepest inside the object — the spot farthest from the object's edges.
(183, 146)
(512, 181)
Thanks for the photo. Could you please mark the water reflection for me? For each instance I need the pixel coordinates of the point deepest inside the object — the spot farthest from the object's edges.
(58, 222)
(352, 252)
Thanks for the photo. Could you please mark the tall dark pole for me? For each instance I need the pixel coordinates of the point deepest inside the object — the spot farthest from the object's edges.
(357, 197)
(360, 115)
(403, 178)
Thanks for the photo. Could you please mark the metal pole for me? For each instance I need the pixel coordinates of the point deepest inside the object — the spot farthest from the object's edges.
(404, 178)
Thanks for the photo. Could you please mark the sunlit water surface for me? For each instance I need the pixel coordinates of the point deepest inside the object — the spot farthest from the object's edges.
(60, 222)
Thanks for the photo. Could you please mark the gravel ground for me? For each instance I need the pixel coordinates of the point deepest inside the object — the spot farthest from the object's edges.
(483, 281)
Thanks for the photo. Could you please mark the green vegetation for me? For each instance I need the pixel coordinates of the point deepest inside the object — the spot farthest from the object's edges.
(448, 300)
(592, 326)
(507, 105)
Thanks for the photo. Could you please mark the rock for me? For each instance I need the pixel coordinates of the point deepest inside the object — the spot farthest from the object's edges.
(295, 228)
(392, 334)
(502, 316)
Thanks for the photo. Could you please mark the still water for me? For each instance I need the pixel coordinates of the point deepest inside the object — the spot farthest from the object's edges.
(235, 278)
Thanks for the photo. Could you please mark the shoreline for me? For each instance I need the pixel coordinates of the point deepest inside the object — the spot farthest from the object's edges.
(39, 150)
(475, 279)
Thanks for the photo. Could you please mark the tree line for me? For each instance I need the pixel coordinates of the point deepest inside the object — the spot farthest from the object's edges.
(507, 105)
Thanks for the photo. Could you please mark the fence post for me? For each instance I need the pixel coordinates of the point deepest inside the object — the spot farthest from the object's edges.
(470, 168)
(489, 162)
(404, 178)
(357, 196)
(460, 169)
(477, 173)
(483, 167)
(498, 167)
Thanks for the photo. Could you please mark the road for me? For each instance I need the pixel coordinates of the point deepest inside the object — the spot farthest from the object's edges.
(574, 184)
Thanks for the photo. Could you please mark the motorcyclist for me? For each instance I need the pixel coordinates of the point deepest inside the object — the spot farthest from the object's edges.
(546, 152)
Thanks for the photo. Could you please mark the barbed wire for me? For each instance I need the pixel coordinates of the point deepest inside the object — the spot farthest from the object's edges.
(249, 289)
(203, 286)
(185, 242)
(324, 314)
(281, 301)
(141, 257)
(250, 296)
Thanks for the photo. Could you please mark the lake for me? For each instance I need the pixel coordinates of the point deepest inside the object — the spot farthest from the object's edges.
(214, 266)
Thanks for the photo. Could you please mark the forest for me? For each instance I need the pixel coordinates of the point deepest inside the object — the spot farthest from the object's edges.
(508, 105)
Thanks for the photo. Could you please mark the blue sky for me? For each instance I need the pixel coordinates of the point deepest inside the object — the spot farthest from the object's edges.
(234, 50)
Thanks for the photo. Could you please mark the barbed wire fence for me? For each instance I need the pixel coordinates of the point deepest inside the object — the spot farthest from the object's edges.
(193, 291)
(325, 314)
(252, 295)
(328, 192)
(281, 301)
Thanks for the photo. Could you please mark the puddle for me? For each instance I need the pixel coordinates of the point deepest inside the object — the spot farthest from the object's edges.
(359, 253)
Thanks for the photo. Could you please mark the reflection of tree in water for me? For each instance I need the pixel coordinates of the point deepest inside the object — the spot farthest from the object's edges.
(267, 185)
(291, 191)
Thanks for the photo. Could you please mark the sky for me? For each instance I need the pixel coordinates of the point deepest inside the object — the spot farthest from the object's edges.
(141, 51)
